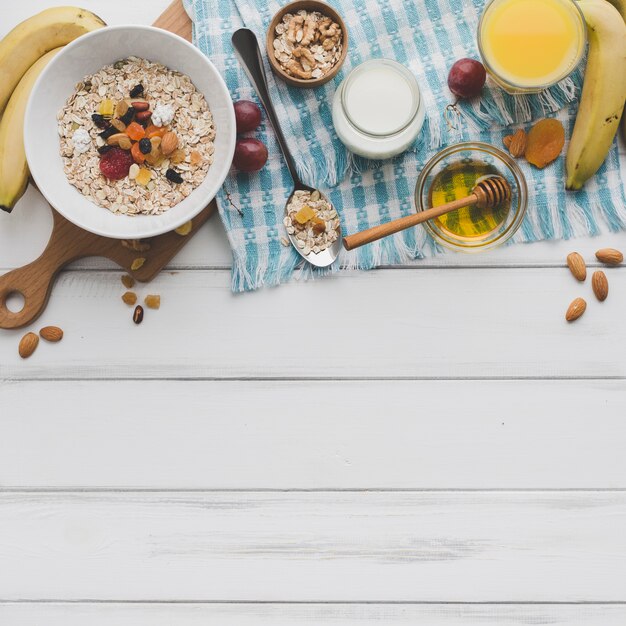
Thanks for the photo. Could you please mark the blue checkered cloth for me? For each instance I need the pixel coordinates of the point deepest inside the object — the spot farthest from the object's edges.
(427, 36)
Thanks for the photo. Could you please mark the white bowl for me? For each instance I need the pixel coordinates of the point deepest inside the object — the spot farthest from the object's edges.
(86, 55)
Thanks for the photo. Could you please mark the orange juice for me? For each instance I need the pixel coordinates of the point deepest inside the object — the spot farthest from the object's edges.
(528, 45)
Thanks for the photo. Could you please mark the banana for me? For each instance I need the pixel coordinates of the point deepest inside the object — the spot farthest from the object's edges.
(620, 5)
(37, 35)
(13, 166)
(603, 95)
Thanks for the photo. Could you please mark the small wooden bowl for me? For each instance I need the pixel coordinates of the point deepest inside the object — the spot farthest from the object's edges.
(294, 7)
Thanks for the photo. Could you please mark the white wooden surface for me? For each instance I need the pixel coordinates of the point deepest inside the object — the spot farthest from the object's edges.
(460, 463)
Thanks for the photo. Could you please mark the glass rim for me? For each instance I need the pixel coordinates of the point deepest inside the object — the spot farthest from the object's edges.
(411, 81)
(540, 87)
(515, 171)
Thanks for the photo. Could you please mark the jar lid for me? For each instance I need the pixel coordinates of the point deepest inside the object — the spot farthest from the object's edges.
(380, 97)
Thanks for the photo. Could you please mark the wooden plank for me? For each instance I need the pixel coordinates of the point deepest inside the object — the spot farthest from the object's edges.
(304, 435)
(388, 323)
(328, 546)
(310, 614)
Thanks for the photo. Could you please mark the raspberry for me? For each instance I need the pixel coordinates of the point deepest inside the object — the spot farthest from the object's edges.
(115, 163)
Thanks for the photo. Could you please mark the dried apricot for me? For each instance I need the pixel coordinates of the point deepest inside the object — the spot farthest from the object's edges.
(155, 131)
(544, 142)
(135, 131)
(138, 155)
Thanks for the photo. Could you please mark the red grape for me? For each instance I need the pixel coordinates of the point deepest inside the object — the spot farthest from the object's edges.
(250, 155)
(247, 116)
(466, 78)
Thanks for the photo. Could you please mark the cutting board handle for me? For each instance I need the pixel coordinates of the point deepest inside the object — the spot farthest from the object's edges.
(35, 280)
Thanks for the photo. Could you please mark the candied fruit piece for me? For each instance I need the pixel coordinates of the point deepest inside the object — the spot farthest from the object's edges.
(305, 214)
(135, 131)
(143, 177)
(195, 158)
(152, 301)
(137, 263)
(319, 225)
(128, 281)
(107, 107)
(544, 142)
(155, 131)
(130, 297)
(184, 229)
(178, 156)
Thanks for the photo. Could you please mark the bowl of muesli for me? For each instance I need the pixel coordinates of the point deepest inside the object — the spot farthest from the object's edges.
(129, 132)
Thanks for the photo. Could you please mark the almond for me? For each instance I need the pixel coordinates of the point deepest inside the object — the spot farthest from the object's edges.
(517, 145)
(577, 266)
(169, 143)
(51, 333)
(575, 309)
(28, 344)
(600, 285)
(114, 140)
(609, 256)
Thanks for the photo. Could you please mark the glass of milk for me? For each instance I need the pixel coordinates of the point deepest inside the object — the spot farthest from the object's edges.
(377, 109)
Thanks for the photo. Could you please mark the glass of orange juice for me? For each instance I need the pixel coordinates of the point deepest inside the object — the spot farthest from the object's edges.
(528, 45)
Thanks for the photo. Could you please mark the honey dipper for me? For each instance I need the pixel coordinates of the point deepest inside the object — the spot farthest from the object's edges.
(487, 194)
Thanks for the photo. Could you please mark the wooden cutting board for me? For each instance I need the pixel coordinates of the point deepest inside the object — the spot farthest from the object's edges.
(68, 242)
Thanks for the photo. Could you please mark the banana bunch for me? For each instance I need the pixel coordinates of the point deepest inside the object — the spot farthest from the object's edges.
(604, 90)
(24, 53)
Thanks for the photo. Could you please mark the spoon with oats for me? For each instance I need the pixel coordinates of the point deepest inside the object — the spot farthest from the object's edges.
(311, 221)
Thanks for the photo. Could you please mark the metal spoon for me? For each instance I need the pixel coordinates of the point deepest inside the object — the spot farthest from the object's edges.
(247, 50)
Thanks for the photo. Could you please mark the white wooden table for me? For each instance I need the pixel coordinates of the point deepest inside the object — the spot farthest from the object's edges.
(457, 459)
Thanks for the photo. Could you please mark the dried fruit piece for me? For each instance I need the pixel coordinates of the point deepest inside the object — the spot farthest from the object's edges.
(138, 314)
(106, 107)
(129, 297)
(128, 117)
(118, 125)
(544, 142)
(575, 309)
(155, 131)
(137, 154)
(145, 146)
(609, 256)
(121, 108)
(136, 91)
(305, 214)
(128, 281)
(137, 263)
(318, 225)
(28, 344)
(600, 285)
(184, 229)
(173, 176)
(115, 163)
(577, 266)
(169, 143)
(144, 176)
(51, 333)
(99, 120)
(178, 156)
(516, 143)
(152, 301)
(135, 131)
(195, 158)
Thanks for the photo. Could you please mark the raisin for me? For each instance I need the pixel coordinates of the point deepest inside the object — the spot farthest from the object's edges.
(127, 118)
(99, 120)
(173, 176)
(136, 91)
(105, 148)
(107, 132)
(138, 314)
(145, 146)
